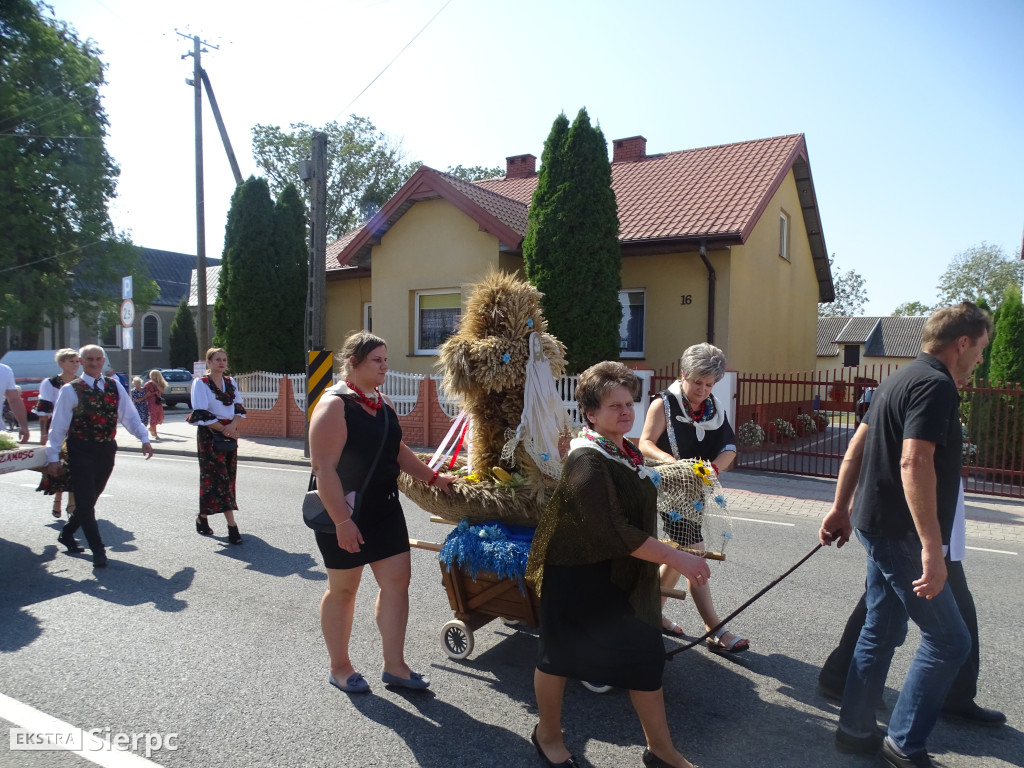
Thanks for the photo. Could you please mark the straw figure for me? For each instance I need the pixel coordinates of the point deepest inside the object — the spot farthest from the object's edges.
(485, 365)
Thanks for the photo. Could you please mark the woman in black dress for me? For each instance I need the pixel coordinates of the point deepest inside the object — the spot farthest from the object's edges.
(700, 430)
(345, 433)
(593, 562)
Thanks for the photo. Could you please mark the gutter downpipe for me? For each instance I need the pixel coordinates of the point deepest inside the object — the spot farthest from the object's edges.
(712, 277)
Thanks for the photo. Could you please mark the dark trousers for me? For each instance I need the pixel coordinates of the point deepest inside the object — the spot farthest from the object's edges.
(965, 687)
(90, 464)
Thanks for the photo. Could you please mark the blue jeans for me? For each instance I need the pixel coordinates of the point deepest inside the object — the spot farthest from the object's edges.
(892, 567)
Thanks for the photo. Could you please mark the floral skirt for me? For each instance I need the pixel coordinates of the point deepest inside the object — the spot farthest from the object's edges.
(50, 485)
(216, 476)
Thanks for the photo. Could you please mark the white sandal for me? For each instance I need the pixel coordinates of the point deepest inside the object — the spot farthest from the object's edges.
(717, 645)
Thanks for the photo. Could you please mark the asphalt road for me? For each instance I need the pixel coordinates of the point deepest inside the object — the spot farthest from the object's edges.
(221, 645)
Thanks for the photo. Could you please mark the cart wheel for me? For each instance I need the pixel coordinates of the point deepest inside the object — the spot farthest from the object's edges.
(595, 688)
(457, 639)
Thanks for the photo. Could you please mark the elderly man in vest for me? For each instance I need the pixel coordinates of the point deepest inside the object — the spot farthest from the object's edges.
(86, 413)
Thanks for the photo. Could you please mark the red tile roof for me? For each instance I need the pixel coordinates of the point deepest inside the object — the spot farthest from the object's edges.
(665, 202)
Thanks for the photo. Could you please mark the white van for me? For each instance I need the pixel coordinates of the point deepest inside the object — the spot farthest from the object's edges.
(35, 364)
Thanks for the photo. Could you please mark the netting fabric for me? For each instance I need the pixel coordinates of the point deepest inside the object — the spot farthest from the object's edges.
(692, 504)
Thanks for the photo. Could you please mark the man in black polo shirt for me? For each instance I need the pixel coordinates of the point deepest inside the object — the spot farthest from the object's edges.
(904, 461)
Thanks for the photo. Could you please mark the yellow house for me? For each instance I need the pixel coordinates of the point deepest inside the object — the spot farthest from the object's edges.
(720, 244)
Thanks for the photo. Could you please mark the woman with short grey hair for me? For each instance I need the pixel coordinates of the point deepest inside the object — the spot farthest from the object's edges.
(700, 430)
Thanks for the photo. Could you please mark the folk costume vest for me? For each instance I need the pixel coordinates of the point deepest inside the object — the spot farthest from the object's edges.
(95, 417)
(45, 407)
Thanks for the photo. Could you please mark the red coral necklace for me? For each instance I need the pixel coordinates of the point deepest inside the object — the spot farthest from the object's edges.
(374, 405)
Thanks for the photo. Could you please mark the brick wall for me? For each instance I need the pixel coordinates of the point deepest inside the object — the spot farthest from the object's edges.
(283, 420)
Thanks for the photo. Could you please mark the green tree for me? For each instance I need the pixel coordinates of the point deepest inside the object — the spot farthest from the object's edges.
(851, 295)
(58, 250)
(911, 309)
(475, 172)
(571, 249)
(287, 347)
(981, 272)
(364, 167)
(1007, 359)
(184, 340)
(243, 315)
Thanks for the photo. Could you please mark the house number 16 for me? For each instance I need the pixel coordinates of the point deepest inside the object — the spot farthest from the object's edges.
(686, 299)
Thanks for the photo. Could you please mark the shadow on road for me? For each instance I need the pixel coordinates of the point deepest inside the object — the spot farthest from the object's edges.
(273, 561)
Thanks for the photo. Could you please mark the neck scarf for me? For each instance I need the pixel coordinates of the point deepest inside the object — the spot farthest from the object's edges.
(627, 455)
(712, 417)
(227, 397)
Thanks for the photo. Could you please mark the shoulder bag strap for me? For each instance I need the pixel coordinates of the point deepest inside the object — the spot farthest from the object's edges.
(369, 474)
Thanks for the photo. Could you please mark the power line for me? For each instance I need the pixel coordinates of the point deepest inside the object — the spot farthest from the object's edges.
(345, 108)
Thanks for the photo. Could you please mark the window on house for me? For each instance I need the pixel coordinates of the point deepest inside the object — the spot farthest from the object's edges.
(151, 332)
(631, 328)
(437, 318)
(368, 317)
(784, 235)
(109, 335)
(851, 355)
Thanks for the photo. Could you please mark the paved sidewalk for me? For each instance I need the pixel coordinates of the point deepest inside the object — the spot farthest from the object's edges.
(992, 518)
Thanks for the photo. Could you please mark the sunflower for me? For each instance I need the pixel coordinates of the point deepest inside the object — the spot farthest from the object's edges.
(703, 471)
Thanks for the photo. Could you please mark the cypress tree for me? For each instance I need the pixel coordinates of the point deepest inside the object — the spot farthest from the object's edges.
(184, 340)
(571, 250)
(244, 313)
(292, 280)
(1007, 359)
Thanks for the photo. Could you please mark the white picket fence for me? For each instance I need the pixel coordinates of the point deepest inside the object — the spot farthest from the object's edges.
(403, 389)
(259, 392)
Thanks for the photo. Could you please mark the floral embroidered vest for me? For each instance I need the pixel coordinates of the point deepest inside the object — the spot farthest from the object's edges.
(95, 416)
(45, 407)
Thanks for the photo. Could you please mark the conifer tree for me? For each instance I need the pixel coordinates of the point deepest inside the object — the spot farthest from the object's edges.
(571, 250)
(292, 258)
(184, 340)
(244, 314)
(1007, 359)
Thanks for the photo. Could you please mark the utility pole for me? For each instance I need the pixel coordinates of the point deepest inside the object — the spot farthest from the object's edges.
(203, 320)
(318, 360)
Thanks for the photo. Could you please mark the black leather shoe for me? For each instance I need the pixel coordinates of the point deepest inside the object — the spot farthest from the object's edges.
(651, 760)
(99, 560)
(570, 763)
(203, 526)
(69, 542)
(856, 745)
(893, 760)
(233, 535)
(976, 715)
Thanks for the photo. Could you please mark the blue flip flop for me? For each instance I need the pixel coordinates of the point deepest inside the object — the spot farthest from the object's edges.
(416, 681)
(356, 683)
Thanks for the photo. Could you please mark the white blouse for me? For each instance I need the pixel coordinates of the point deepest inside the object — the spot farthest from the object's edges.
(203, 399)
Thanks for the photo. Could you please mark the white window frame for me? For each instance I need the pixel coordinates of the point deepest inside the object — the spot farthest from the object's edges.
(368, 316)
(159, 332)
(416, 315)
(784, 235)
(624, 302)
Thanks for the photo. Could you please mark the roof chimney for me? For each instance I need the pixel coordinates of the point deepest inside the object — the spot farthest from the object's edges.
(629, 150)
(520, 166)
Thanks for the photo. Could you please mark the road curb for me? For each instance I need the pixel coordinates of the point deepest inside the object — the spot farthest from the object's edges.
(298, 462)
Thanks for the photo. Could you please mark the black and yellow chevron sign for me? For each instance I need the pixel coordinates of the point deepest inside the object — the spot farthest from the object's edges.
(318, 377)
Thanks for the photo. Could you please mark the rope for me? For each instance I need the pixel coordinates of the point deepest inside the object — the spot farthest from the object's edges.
(742, 608)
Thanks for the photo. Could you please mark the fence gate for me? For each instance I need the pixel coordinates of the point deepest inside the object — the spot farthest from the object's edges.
(800, 423)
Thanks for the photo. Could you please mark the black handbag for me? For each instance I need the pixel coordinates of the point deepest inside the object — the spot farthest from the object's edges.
(222, 443)
(315, 515)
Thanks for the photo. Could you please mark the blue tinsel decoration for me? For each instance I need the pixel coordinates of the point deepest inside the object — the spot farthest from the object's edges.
(502, 550)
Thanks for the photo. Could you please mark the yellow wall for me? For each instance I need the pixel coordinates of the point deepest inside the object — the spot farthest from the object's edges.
(344, 300)
(433, 246)
(773, 307)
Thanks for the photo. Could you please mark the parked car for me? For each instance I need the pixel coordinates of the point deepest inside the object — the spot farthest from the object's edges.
(29, 394)
(179, 385)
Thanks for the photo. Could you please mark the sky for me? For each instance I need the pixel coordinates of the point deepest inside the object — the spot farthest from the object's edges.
(913, 110)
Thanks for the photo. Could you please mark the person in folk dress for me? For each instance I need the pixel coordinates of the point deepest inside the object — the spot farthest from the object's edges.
(700, 429)
(594, 564)
(154, 394)
(138, 394)
(345, 434)
(217, 408)
(56, 485)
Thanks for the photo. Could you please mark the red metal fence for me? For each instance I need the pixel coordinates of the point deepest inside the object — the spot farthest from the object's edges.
(801, 423)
